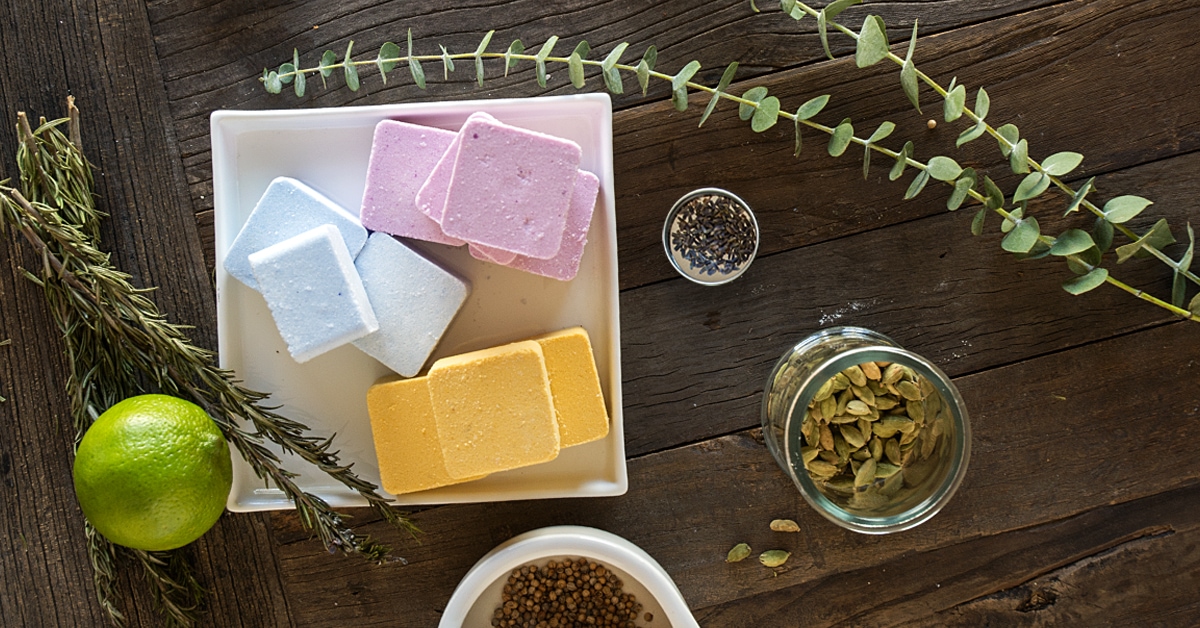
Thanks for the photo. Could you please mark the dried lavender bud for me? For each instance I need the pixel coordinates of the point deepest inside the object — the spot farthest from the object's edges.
(714, 233)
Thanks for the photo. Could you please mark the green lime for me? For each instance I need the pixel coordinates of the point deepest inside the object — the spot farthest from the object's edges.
(153, 473)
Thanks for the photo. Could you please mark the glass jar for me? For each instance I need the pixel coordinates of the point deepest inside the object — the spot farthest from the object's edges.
(873, 447)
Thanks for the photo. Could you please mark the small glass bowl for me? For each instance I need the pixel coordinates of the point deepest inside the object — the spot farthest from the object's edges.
(692, 262)
(930, 473)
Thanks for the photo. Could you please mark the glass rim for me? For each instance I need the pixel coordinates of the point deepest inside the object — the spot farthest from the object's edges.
(792, 440)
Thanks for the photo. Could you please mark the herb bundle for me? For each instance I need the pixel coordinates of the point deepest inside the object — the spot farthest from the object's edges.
(118, 345)
(1083, 249)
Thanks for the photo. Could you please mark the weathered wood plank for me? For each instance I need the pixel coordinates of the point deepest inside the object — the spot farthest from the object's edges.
(1061, 73)
(1136, 561)
(744, 489)
(213, 52)
(958, 300)
(102, 52)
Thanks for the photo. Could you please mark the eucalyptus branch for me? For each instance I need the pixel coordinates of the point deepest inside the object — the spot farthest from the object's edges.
(1081, 251)
(117, 342)
(872, 46)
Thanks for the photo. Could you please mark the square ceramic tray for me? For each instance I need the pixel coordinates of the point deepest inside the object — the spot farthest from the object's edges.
(329, 150)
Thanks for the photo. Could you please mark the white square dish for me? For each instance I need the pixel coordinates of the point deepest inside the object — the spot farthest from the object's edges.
(329, 149)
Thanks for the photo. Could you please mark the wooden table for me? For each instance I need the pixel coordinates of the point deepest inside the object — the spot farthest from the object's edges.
(1081, 504)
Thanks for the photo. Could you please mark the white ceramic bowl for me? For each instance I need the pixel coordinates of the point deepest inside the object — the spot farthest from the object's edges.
(478, 595)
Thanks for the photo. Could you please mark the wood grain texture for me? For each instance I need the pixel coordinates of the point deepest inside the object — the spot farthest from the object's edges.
(101, 53)
(1022, 474)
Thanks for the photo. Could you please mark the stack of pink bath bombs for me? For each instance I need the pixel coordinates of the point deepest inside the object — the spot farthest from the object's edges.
(516, 197)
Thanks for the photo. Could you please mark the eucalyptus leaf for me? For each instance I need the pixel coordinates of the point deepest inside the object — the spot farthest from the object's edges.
(983, 103)
(1090, 281)
(765, 115)
(1018, 159)
(1062, 163)
(389, 53)
(1082, 262)
(885, 129)
(872, 42)
(612, 76)
(643, 76)
(898, 168)
(1194, 306)
(1071, 242)
(328, 60)
(1038, 251)
(650, 57)
(1011, 136)
(837, 6)
(866, 161)
(917, 185)
(1179, 284)
(679, 84)
(792, 9)
(842, 135)
(1022, 238)
(755, 94)
(272, 82)
(726, 79)
(962, 187)
(483, 44)
(583, 49)
(977, 221)
(1102, 233)
(1123, 208)
(821, 32)
(995, 196)
(540, 59)
(1012, 219)
(812, 107)
(971, 134)
(287, 72)
(944, 168)
(514, 48)
(349, 69)
(575, 70)
(448, 64)
(956, 101)
(908, 73)
(1080, 194)
(301, 81)
(1032, 186)
(1157, 237)
(414, 65)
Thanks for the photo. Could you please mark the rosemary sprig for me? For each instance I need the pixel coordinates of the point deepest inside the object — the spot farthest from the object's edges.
(1081, 250)
(118, 344)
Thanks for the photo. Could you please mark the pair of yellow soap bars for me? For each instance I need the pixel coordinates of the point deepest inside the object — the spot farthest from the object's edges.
(487, 411)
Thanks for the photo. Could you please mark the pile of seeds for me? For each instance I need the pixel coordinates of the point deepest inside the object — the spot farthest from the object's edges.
(571, 593)
(872, 432)
(714, 233)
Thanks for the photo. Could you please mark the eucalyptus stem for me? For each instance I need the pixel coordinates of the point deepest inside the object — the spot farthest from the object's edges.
(1082, 251)
(1007, 145)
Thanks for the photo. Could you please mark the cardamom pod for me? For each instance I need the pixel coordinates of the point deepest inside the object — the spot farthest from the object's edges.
(739, 553)
(785, 525)
(774, 558)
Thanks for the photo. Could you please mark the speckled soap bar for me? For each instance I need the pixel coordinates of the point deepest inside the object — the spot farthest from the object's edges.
(431, 197)
(565, 265)
(288, 208)
(414, 299)
(402, 157)
(406, 438)
(494, 409)
(511, 188)
(314, 292)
